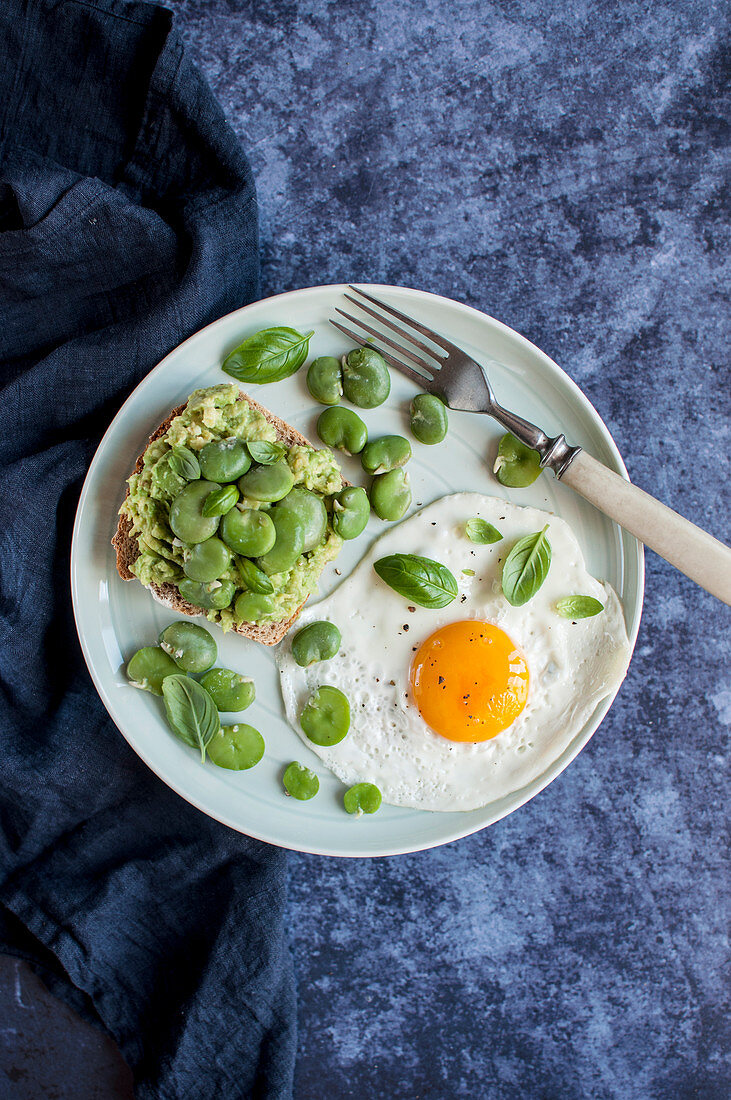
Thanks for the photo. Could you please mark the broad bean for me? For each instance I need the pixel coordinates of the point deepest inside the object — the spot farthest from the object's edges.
(224, 460)
(248, 531)
(351, 509)
(192, 647)
(326, 717)
(187, 521)
(428, 418)
(325, 380)
(384, 454)
(343, 429)
(318, 641)
(366, 379)
(206, 561)
(267, 483)
(229, 690)
(390, 494)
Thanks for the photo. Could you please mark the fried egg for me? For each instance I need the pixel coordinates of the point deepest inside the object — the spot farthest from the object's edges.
(456, 707)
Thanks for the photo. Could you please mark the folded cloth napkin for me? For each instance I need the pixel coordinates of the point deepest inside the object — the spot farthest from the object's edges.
(127, 221)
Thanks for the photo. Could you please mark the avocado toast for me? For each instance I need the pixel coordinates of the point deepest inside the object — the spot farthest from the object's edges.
(148, 549)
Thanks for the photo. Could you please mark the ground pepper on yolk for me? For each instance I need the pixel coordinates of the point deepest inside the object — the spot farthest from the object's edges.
(469, 681)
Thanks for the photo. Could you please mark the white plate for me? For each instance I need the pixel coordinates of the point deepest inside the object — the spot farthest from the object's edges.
(115, 618)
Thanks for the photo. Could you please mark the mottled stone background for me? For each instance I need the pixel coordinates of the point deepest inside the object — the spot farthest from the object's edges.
(560, 166)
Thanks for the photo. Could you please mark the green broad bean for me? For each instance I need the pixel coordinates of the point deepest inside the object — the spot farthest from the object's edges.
(248, 531)
(212, 596)
(229, 690)
(310, 508)
(206, 561)
(187, 521)
(237, 748)
(290, 542)
(343, 429)
(224, 460)
(192, 647)
(300, 782)
(366, 379)
(326, 717)
(351, 509)
(362, 798)
(254, 579)
(315, 642)
(390, 494)
(384, 454)
(428, 418)
(516, 465)
(220, 501)
(149, 667)
(267, 483)
(252, 607)
(325, 380)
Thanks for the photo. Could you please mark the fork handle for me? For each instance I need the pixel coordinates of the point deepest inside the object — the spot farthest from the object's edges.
(690, 549)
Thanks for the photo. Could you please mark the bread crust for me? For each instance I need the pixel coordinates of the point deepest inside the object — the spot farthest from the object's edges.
(127, 550)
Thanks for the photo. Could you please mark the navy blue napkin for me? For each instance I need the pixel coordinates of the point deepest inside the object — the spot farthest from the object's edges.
(127, 221)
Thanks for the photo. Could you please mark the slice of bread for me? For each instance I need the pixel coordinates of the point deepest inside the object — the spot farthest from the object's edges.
(127, 551)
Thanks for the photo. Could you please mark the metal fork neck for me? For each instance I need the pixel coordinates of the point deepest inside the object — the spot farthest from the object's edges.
(556, 454)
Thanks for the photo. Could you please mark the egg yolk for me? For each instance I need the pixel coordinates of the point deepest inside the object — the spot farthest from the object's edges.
(469, 681)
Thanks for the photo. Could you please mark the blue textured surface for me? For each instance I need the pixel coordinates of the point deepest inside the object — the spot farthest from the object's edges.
(559, 166)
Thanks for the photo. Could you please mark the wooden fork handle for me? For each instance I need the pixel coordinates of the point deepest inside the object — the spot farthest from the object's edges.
(690, 549)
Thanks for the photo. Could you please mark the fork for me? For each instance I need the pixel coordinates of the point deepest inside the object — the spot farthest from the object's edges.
(441, 368)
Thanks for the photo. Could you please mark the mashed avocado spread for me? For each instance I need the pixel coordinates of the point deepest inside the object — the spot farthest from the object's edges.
(215, 414)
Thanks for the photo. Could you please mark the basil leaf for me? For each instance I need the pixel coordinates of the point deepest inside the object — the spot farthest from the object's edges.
(420, 580)
(190, 711)
(220, 501)
(480, 531)
(268, 356)
(526, 568)
(184, 463)
(579, 607)
(254, 578)
(264, 452)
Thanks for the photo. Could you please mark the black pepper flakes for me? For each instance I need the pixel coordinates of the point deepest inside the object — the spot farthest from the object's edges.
(411, 608)
(406, 626)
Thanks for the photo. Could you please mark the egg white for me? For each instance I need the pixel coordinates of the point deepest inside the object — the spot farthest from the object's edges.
(572, 665)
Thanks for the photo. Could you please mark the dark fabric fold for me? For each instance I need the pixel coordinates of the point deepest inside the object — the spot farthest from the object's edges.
(127, 221)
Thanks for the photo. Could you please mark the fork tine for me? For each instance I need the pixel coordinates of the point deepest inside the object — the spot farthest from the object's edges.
(427, 367)
(396, 328)
(420, 379)
(435, 337)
